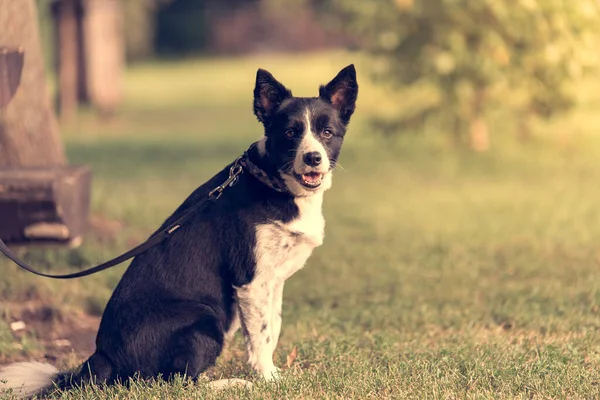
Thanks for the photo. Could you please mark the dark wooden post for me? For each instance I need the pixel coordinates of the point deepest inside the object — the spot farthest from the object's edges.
(11, 66)
(68, 68)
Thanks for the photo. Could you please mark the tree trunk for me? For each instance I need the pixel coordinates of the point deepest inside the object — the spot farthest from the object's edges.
(29, 133)
(480, 139)
(458, 126)
(524, 127)
(68, 68)
(105, 54)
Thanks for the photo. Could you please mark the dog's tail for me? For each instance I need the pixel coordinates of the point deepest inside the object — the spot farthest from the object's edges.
(24, 380)
(27, 379)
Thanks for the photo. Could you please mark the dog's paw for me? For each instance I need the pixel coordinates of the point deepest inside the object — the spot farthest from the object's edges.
(228, 383)
(272, 374)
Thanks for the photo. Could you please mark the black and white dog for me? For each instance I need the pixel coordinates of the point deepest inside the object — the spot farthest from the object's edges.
(225, 267)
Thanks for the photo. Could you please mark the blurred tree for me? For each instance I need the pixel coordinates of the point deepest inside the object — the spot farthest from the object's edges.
(470, 50)
(181, 26)
(69, 35)
(104, 53)
(240, 26)
(89, 52)
(140, 26)
(28, 131)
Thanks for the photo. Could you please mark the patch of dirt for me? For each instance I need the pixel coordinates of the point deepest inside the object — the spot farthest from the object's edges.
(66, 339)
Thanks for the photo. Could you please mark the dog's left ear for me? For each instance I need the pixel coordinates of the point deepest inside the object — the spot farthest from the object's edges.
(341, 92)
(268, 95)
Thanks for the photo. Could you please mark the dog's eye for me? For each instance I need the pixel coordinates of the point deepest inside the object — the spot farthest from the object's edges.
(327, 134)
(290, 133)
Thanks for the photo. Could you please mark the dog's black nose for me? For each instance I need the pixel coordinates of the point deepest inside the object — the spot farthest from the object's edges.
(312, 159)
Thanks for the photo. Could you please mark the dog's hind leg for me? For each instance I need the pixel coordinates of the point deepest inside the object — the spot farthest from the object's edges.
(195, 348)
(97, 369)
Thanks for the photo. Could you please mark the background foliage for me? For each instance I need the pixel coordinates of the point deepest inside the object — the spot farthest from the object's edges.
(454, 59)
(473, 54)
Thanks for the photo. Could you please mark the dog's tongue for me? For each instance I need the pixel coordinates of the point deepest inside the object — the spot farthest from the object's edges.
(312, 177)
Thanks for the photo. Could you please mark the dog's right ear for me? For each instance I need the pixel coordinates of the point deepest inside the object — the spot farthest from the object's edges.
(268, 95)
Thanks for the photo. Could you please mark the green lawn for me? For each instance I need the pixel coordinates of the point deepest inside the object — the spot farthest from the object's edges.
(444, 274)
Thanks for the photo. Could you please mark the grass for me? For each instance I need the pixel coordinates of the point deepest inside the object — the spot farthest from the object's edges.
(445, 274)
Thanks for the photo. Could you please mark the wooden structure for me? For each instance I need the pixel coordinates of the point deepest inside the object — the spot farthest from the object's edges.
(38, 203)
(44, 204)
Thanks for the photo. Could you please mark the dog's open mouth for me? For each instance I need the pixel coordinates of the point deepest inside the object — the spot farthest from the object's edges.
(310, 179)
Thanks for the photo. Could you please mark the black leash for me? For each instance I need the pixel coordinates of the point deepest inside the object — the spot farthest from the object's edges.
(234, 172)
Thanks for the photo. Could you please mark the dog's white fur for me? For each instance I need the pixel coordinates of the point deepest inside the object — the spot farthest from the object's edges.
(310, 144)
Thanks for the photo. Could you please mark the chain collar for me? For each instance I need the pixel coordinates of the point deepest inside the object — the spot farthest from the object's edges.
(274, 182)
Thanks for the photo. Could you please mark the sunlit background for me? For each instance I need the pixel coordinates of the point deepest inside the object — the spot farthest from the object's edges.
(461, 257)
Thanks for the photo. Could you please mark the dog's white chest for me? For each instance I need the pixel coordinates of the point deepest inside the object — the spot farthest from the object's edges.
(282, 249)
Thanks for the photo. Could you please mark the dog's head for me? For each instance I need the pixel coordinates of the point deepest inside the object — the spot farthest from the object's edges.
(304, 135)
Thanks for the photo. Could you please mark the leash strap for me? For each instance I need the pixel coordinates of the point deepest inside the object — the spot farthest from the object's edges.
(153, 241)
(234, 172)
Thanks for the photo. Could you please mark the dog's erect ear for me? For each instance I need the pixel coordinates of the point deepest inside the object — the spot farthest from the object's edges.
(341, 92)
(268, 95)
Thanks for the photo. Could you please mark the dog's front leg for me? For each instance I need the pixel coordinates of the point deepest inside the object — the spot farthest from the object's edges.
(276, 313)
(255, 303)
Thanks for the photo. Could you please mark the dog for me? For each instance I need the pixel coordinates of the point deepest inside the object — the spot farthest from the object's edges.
(225, 268)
